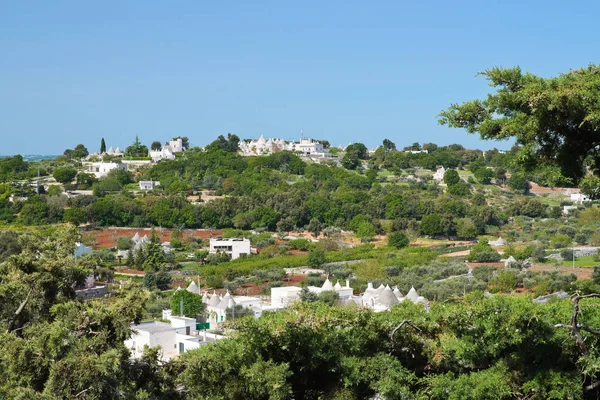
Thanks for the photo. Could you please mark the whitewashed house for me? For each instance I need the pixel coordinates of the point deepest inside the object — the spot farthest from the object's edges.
(101, 169)
(174, 338)
(148, 185)
(168, 151)
(234, 247)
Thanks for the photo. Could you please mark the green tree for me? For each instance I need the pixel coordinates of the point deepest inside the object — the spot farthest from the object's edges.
(554, 120)
(315, 227)
(350, 160)
(85, 181)
(359, 149)
(451, 177)
(483, 175)
(398, 240)
(156, 145)
(75, 216)
(136, 149)
(316, 257)
(431, 225)
(102, 146)
(465, 228)
(388, 145)
(64, 174)
(80, 151)
(329, 297)
(519, 183)
(192, 304)
(590, 186)
(366, 230)
(154, 256)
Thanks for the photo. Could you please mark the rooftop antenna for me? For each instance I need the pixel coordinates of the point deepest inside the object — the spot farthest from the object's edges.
(301, 134)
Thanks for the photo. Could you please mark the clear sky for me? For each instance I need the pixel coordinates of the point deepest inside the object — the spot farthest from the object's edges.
(75, 71)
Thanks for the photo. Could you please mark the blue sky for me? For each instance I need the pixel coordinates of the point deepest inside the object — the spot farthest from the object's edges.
(75, 71)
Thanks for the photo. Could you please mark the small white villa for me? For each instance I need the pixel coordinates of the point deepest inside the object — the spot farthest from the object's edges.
(148, 185)
(101, 169)
(168, 151)
(174, 338)
(234, 247)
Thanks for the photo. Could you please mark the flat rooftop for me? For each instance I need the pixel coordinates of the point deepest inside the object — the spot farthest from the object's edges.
(152, 327)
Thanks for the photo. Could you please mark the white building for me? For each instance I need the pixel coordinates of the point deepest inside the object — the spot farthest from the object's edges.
(234, 247)
(383, 298)
(148, 185)
(174, 338)
(217, 306)
(439, 174)
(101, 169)
(110, 152)
(579, 198)
(497, 243)
(262, 146)
(282, 297)
(306, 147)
(168, 151)
(139, 242)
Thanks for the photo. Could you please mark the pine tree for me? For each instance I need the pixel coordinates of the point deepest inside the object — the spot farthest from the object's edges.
(102, 146)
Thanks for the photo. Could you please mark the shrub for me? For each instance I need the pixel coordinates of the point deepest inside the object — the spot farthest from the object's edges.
(398, 240)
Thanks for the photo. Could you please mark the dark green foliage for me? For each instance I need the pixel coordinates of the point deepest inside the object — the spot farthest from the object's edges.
(136, 150)
(65, 174)
(519, 183)
(316, 257)
(9, 245)
(451, 177)
(329, 297)
(554, 120)
(398, 240)
(192, 304)
(102, 146)
(483, 252)
(431, 224)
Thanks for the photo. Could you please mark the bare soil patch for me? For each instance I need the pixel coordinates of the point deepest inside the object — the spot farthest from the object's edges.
(107, 238)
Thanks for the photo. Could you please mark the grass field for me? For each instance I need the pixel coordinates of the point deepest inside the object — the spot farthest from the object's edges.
(582, 262)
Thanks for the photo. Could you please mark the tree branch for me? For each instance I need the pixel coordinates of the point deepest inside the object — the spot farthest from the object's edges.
(11, 326)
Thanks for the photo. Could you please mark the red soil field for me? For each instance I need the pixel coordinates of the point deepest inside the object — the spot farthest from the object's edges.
(106, 238)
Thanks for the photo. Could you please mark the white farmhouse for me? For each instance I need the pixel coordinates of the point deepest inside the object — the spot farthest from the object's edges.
(234, 247)
(101, 169)
(174, 338)
(168, 151)
(148, 185)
